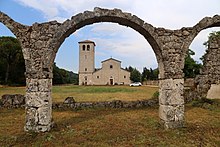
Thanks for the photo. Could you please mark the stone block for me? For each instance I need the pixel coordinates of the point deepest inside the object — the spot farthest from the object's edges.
(171, 97)
(171, 92)
(171, 83)
(31, 118)
(38, 99)
(173, 124)
(45, 115)
(36, 85)
(171, 113)
(40, 128)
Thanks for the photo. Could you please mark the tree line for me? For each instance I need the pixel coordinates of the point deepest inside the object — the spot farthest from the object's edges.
(147, 74)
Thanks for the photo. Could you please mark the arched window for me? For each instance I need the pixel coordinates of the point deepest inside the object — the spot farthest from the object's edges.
(111, 66)
(84, 47)
(85, 77)
(125, 77)
(88, 47)
(85, 69)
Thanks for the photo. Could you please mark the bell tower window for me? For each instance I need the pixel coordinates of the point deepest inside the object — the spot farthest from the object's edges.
(84, 47)
(88, 47)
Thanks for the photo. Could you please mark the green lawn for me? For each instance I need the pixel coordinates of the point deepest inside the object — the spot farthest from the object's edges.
(92, 93)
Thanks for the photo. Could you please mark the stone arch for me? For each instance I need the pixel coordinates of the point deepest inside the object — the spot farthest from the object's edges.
(41, 41)
(206, 78)
(12, 25)
(205, 23)
(105, 15)
(18, 29)
(210, 73)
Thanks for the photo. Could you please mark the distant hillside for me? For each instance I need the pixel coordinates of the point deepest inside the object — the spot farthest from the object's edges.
(62, 76)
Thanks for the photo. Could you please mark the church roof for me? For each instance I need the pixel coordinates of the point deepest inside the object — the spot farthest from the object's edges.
(87, 41)
(111, 59)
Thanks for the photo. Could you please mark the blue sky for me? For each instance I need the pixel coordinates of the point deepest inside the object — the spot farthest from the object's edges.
(111, 39)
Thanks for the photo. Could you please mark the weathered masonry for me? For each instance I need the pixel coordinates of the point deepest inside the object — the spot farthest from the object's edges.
(40, 43)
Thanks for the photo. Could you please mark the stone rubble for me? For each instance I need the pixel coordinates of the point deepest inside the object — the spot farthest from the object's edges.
(13, 101)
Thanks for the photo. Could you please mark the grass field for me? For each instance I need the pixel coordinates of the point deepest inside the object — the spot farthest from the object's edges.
(113, 127)
(92, 93)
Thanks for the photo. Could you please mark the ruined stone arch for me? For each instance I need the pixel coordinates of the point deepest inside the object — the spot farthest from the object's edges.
(205, 23)
(18, 29)
(41, 41)
(105, 15)
(209, 73)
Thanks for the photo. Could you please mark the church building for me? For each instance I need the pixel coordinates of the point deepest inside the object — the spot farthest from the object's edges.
(110, 73)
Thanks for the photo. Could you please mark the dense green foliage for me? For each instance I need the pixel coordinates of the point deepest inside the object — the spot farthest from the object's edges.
(211, 35)
(62, 76)
(12, 66)
(149, 74)
(191, 67)
(135, 74)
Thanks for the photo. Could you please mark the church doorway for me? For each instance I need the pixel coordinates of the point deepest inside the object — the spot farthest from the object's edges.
(111, 82)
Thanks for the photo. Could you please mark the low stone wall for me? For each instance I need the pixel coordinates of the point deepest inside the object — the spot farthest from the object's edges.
(189, 82)
(12, 101)
(18, 101)
(151, 82)
(111, 104)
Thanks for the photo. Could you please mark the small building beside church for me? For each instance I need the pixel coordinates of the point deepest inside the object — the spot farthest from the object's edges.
(111, 72)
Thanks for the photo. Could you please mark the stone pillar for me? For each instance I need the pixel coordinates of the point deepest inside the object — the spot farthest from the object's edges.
(38, 105)
(171, 101)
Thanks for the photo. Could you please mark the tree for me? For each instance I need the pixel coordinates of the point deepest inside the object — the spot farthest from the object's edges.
(150, 74)
(211, 35)
(11, 59)
(206, 44)
(145, 74)
(135, 74)
(191, 67)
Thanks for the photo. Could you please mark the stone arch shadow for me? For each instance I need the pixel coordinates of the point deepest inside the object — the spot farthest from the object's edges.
(40, 42)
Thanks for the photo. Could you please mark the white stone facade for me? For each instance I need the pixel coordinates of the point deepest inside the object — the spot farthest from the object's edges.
(110, 73)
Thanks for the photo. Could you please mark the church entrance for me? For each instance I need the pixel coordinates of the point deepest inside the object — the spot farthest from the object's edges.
(111, 81)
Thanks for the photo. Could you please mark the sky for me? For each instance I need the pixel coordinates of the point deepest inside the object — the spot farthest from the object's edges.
(113, 40)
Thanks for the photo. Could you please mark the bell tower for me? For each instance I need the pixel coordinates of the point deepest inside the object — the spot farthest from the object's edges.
(86, 62)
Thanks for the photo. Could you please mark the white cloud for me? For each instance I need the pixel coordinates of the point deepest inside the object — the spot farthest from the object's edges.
(46, 7)
(124, 44)
(166, 13)
(120, 41)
